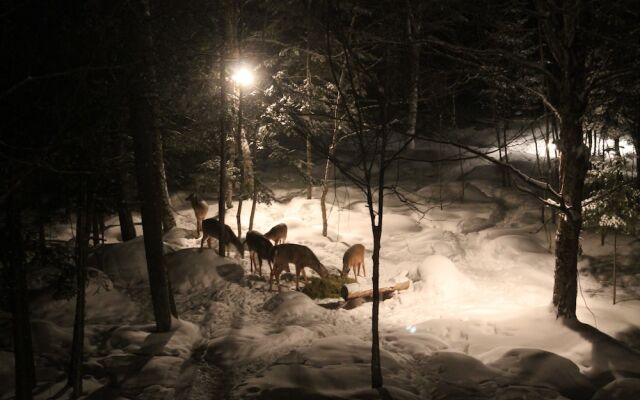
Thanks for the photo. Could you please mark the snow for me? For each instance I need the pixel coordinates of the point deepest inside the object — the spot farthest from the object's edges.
(475, 323)
(192, 268)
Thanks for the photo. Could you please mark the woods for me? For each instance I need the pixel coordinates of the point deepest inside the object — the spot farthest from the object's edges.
(115, 112)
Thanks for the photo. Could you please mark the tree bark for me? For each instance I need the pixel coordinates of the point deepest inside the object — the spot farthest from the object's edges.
(22, 346)
(240, 164)
(636, 146)
(615, 267)
(563, 36)
(413, 29)
(82, 249)
(309, 99)
(229, 33)
(127, 228)
(168, 220)
(143, 123)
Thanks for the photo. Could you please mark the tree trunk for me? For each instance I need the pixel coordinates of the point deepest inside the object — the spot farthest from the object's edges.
(636, 145)
(507, 176)
(254, 182)
(325, 183)
(127, 228)
(95, 226)
(82, 248)
(376, 368)
(168, 220)
(229, 34)
(563, 35)
(22, 346)
(309, 96)
(413, 29)
(498, 139)
(309, 169)
(143, 123)
(240, 164)
(615, 271)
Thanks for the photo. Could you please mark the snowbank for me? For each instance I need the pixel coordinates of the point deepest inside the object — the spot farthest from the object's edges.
(104, 304)
(440, 279)
(125, 263)
(332, 368)
(191, 269)
(293, 305)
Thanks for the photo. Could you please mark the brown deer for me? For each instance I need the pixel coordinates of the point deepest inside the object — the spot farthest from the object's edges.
(258, 246)
(278, 234)
(200, 209)
(353, 259)
(301, 256)
(211, 229)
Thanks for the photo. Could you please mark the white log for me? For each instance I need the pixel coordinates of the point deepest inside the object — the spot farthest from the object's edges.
(355, 290)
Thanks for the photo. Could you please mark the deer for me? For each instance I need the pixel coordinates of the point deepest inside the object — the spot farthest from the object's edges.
(211, 229)
(278, 234)
(258, 246)
(353, 259)
(200, 209)
(301, 256)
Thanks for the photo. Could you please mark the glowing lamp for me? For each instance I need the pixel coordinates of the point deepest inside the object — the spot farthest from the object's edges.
(243, 76)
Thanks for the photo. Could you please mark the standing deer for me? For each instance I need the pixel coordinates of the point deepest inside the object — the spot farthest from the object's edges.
(301, 256)
(260, 246)
(200, 209)
(278, 234)
(353, 259)
(211, 229)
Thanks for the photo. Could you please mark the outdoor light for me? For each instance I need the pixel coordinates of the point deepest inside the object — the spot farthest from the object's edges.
(552, 147)
(243, 76)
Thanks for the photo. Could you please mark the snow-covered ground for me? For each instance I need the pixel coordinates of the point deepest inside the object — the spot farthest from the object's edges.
(476, 321)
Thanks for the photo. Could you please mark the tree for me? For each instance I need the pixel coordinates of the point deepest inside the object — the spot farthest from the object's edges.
(614, 203)
(13, 256)
(82, 238)
(565, 83)
(143, 122)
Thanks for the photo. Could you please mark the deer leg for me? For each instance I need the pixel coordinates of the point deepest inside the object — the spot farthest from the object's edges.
(270, 279)
(202, 242)
(355, 275)
(298, 273)
(260, 265)
(198, 225)
(278, 278)
(364, 272)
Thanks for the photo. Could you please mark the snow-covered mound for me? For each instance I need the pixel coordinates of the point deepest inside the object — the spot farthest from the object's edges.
(542, 368)
(194, 269)
(103, 303)
(332, 368)
(125, 263)
(292, 305)
(440, 279)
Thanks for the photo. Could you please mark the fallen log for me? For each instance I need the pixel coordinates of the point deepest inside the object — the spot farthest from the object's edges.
(356, 290)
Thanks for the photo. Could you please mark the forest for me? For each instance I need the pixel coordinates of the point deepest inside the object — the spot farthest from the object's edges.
(320, 199)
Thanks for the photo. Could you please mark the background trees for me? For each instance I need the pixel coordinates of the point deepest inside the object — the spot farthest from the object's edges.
(347, 91)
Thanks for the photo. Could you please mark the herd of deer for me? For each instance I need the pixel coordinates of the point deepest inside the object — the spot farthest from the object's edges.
(278, 255)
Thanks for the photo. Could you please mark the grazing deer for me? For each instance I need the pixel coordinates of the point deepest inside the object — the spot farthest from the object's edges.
(353, 259)
(301, 256)
(211, 229)
(260, 246)
(278, 234)
(200, 209)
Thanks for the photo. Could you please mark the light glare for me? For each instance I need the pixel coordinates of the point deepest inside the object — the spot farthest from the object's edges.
(243, 76)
